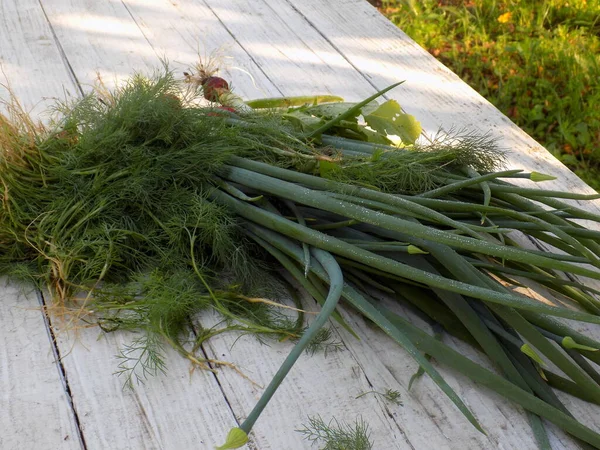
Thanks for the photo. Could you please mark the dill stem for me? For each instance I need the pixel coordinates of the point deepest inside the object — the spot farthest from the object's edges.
(271, 303)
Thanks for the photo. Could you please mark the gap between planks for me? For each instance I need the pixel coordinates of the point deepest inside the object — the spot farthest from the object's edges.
(59, 366)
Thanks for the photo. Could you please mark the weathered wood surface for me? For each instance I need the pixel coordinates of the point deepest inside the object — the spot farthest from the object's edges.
(342, 47)
(35, 406)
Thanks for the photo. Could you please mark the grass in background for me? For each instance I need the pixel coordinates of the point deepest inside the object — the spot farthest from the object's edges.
(537, 61)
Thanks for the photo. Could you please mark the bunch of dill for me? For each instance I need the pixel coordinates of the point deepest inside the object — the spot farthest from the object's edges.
(109, 212)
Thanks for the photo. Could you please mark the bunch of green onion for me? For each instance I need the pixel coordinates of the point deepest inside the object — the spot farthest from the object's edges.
(140, 200)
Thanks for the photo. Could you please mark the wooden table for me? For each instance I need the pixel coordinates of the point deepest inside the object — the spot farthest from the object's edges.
(57, 388)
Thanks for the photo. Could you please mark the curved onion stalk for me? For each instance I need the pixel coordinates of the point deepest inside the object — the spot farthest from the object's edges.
(450, 357)
(563, 384)
(452, 187)
(568, 288)
(325, 185)
(418, 206)
(560, 329)
(289, 248)
(542, 193)
(360, 147)
(531, 226)
(455, 360)
(304, 280)
(570, 209)
(544, 219)
(336, 282)
(301, 221)
(232, 190)
(464, 271)
(379, 206)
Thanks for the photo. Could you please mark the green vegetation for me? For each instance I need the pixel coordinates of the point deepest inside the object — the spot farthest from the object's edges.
(337, 436)
(537, 61)
(141, 208)
(390, 395)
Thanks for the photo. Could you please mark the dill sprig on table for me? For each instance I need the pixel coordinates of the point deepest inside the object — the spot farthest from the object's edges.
(337, 436)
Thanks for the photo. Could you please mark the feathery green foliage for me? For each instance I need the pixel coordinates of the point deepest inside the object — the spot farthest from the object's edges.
(419, 169)
(115, 204)
(337, 436)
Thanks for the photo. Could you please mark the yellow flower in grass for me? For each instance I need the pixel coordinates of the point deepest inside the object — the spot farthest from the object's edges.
(505, 18)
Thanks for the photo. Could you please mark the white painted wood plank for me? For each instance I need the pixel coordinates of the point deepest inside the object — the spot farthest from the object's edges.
(174, 410)
(34, 407)
(30, 62)
(183, 31)
(99, 38)
(292, 54)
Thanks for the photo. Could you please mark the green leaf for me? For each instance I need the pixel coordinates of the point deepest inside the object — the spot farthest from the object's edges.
(326, 168)
(303, 121)
(375, 137)
(235, 439)
(389, 120)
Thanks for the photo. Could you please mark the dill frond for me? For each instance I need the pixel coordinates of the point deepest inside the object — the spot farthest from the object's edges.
(324, 341)
(337, 436)
(471, 149)
(418, 168)
(390, 395)
(141, 359)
